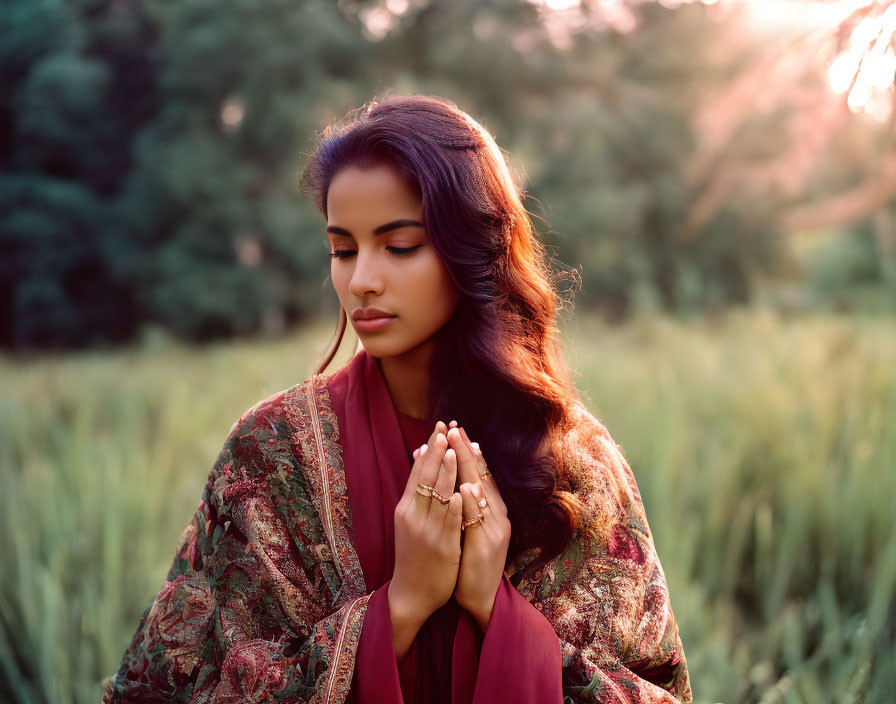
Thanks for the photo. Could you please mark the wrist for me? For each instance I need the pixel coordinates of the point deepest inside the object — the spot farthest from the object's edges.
(405, 620)
(403, 610)
(481, 613)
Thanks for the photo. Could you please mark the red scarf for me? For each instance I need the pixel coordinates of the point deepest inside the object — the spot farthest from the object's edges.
(450, 661)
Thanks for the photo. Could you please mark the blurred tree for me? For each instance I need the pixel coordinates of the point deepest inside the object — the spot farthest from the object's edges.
(221, 242)
(599, 120)
(75, 83)
(666, 150)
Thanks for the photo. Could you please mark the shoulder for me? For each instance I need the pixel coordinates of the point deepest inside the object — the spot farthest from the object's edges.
(282, 405)
(286, 411)
(271, 448)
(279, 429)
(612, 542)
(588, 445)
(598, 470)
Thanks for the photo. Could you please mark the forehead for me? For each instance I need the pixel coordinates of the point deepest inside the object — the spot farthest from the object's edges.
(369, 194)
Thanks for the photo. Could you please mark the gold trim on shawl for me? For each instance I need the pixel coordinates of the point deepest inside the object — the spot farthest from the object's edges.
(326, 473)
(326, 463)
(322, 465)
(342, 668)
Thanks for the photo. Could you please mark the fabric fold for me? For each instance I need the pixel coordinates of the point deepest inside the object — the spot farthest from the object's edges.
(444, 665)
(376, 676)
(528, 672)
(465, 659)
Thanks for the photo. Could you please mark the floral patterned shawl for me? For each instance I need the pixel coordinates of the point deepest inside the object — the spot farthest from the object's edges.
(265, 599)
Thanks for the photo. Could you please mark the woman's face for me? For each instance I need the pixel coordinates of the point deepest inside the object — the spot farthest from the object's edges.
(383, 258)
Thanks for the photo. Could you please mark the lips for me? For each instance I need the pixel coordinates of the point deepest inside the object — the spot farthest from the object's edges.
(370, 314)
(373, 324)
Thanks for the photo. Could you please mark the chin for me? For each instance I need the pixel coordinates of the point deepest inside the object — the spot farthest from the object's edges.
(380, 348)
(390, 348)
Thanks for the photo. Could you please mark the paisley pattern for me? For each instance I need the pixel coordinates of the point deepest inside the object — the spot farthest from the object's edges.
(606, 595)
(265, 599)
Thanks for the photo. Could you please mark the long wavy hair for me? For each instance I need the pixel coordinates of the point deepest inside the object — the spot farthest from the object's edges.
(498, 367)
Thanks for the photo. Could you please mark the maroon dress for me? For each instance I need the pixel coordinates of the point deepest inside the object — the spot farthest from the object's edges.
(451, 661)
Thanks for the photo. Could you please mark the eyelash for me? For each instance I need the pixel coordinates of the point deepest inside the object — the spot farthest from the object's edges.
(397, 251)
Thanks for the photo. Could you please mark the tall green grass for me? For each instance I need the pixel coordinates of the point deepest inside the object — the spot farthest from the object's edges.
(765, 451)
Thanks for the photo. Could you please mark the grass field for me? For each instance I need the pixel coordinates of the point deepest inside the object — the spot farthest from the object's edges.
(765, 451)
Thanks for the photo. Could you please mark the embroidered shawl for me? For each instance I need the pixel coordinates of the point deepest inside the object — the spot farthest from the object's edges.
(265, 598)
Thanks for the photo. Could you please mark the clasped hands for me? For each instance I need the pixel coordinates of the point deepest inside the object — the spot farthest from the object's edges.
(431, 564)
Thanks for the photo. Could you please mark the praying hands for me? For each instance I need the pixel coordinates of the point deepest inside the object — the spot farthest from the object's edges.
(485, 524)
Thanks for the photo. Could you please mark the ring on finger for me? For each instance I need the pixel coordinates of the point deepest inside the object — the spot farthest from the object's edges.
(442, 500)
(427, 490)
(472, 522)
(487, 474)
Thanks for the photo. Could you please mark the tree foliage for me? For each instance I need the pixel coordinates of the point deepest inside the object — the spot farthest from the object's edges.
(150, 150)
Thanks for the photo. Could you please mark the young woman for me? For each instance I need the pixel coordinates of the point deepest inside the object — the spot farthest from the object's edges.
(440, 519)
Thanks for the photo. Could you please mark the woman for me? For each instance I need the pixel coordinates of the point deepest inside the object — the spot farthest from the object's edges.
(352, 545)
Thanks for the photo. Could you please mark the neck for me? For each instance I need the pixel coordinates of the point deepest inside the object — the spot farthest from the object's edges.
(407, 377)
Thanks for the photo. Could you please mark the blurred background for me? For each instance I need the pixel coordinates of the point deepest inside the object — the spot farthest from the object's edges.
(722, 175)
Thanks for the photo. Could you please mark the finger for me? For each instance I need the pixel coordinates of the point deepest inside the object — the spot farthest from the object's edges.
(466, 438)
(481, 465)
(411, 493)
(430, 460)
(429, 469)
(437, 509)
(471, 506)
(416, 468)
(482, 504)
(467, 466)
(488, 483)
(455, 515)
(447, 473)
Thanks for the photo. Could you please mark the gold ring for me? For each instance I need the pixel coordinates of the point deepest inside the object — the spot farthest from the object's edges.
(487, 474)
(472, 522)
(442, 500)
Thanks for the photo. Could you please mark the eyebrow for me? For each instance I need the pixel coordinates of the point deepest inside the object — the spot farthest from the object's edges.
(394, 225)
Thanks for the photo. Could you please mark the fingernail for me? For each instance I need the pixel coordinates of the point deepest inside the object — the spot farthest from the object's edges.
(477, 491)
(453, 424)
(422, 448)
(475, 446)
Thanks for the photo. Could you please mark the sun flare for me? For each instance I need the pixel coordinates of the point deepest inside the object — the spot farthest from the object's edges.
(862, 66)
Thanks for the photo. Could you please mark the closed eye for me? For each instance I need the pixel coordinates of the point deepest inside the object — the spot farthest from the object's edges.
(397, 251)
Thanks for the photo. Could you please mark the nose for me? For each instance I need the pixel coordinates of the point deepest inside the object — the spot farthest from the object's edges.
(366, 276)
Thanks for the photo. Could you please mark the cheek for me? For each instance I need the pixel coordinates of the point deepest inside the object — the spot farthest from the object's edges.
(441, 294)
(340, 280)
